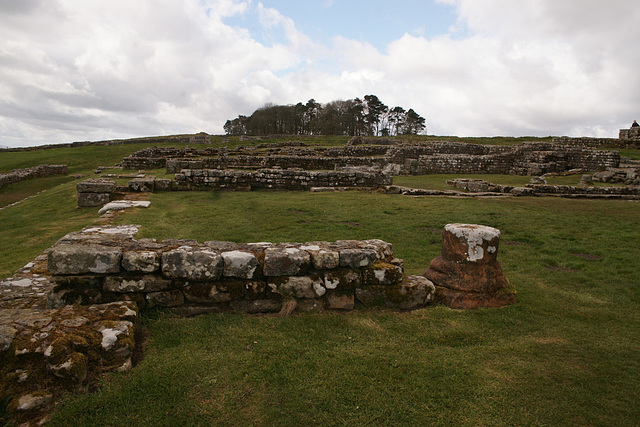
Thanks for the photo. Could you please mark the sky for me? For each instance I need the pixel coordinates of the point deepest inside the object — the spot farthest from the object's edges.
(86, 70)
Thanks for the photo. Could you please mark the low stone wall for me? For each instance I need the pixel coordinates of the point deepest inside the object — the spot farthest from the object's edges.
(214, 276)
(277, 179)
(583, 191)
(625, 141)
(39, 171)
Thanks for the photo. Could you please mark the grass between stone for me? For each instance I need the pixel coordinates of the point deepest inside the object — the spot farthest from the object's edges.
(566, 354)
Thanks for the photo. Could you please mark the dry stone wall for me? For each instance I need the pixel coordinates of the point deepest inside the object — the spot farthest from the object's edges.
(93, 269)
(39, 171)
(277, 179)
(416, 159)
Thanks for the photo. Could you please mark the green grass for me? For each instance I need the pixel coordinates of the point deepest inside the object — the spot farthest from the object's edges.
(566, 354)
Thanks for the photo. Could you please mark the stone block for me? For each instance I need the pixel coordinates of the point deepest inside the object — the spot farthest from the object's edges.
(218, 292)
(342, 278)
(414, 292)
(357, 258)
(141, 261)
(240, 264)
(286, 262)
(142, 185)
(101, 185)
(298, 286)
(322, 258)
(339, 300)
(146, 283)
(470, 243)
(82, 259)
(92, 200)
(172, 298)
(381, 273)
(189, 263)
(256, 306)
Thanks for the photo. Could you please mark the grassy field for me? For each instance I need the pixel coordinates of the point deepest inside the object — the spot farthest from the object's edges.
(566, 354)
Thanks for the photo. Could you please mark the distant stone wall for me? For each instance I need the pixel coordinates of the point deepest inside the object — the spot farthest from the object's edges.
(626, 140)
(443, 157)
(581, 191)
(40, 171)
(277, 179)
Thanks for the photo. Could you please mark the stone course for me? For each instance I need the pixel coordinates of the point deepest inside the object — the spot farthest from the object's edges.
(532, 158)
(95, 192)
(40, 171)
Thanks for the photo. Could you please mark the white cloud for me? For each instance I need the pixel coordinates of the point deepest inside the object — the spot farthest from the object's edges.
(87, 69)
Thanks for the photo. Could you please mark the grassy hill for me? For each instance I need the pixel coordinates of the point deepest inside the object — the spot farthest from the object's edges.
(566, 354)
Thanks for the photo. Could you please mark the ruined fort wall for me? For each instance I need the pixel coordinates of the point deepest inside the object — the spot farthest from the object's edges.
(40, 171)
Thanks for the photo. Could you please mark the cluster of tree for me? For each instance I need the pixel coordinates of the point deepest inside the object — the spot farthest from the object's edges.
(355, 117)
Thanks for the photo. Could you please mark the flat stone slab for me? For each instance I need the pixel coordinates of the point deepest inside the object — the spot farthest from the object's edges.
(119, 205)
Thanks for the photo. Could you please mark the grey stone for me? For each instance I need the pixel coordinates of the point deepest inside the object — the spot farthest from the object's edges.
(323, 258)
(382, 274)
(141, 261)
(92, 200)
(240, 264)
(339, 300)
(101, 185)
(356, 258)
(285, 261)
(7, 334)
(256, 306)
(146, 283)
(298, 286)
(80, 259)
(414, 292)
(342, 278)
(165, 299)
(192, 264)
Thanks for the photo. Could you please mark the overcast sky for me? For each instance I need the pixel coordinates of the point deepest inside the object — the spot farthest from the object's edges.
(75, 70)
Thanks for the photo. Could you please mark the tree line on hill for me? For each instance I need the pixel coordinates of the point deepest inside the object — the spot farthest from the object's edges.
(355, 117)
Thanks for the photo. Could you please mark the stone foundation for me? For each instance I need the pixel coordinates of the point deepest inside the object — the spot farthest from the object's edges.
(95, 192)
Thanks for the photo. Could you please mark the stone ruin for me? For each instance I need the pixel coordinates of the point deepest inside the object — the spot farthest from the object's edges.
(467, 274)
(443, 157)
(70, 315)
(39, 171)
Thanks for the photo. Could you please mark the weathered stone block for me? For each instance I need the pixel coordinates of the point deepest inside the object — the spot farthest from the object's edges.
(192, 264)
(414, 292)
(101, 185)
(240, 264)
(142, 185)
(285, 262)
(146, 283)
(470, 243)
(81, 259)
(322, 258)
(141, 261)
(381, 273)
(339, 300)
(342, 278)
(92, 200)
(256, 306)
(172, 298)
(206, 293)
(357, 258)
(298, 286)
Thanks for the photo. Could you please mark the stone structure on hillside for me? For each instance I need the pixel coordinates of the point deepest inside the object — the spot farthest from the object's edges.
(467, 274)
(40, 171)
(532, 158)
(95, 192)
